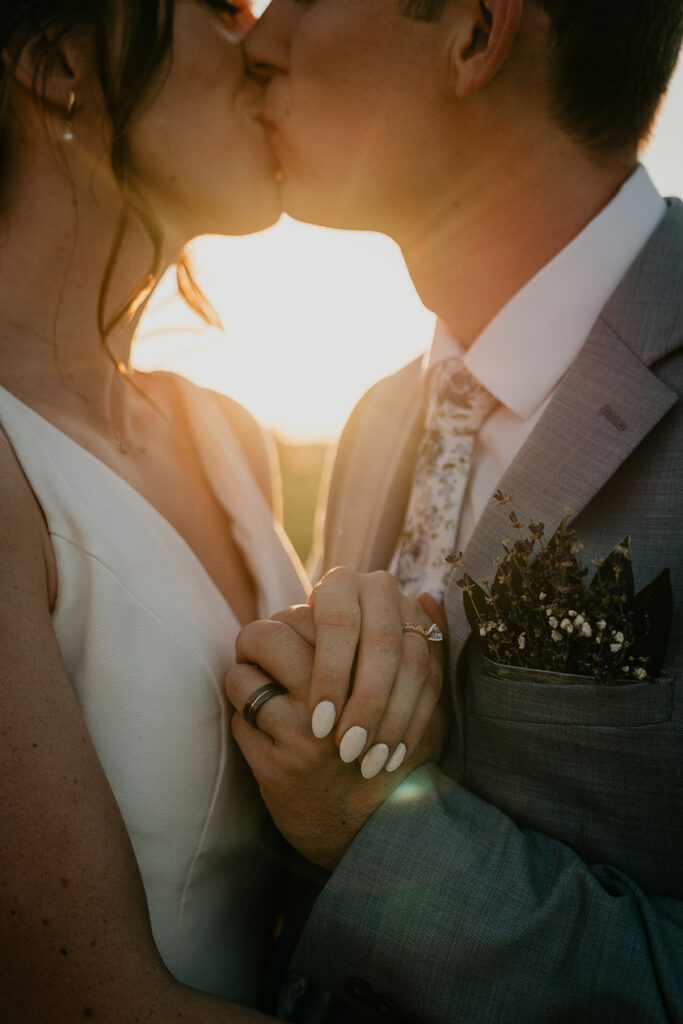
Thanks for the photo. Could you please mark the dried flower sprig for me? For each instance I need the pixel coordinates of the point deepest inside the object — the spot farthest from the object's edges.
(539, 613)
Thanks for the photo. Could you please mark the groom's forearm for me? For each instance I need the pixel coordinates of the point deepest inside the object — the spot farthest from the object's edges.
(445, 907)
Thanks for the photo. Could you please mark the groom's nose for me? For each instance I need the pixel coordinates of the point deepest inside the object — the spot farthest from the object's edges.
(267, 46)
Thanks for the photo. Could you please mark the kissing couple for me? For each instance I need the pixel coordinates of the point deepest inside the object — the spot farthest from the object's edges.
(476, 829)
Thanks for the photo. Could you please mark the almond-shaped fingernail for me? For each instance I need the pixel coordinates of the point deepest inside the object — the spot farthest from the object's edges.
(323, 718)
(352, 744)
(374, 760)
(396, 759)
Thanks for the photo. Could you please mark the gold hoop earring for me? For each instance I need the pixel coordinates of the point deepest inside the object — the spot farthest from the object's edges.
(68, 133)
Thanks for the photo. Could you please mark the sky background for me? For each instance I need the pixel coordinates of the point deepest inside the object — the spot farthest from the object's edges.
(312, 316)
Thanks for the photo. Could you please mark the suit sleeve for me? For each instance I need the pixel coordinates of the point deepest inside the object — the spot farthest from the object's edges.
(444, 909)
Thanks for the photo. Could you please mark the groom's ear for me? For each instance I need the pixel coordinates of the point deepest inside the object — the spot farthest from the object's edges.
(483, 32)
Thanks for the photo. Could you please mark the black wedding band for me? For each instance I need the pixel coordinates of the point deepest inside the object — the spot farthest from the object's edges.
(258, 699)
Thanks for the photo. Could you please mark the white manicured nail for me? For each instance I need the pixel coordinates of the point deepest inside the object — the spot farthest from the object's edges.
(353, 741)
(322, 720)
(396, 759)
(374, 760)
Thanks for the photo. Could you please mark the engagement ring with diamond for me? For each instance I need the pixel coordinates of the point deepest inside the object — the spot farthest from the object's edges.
(433, 635)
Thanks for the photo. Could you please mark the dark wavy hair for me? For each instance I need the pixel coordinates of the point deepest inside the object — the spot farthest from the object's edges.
(610, 65)
(142, 31)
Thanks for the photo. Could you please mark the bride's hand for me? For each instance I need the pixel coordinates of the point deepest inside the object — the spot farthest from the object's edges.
(316, 801)
(373, 684)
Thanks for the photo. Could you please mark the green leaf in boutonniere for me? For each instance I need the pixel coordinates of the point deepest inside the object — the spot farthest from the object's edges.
(615, 573)
(476, 602)
(652, 619)
(538, 612)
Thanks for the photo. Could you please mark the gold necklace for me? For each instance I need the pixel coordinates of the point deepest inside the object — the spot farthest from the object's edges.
(120, 440)
(120, 443)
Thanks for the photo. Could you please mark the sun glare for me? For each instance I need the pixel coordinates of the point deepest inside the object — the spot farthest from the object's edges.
(312, 318)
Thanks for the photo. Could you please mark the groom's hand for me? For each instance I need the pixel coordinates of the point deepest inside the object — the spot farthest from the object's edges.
(318, 802)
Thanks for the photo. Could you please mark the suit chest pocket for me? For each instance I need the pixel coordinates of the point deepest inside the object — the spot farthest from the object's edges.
(547, 698)
(598, 767)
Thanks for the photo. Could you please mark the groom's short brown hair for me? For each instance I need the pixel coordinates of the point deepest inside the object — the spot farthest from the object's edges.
(611, 62)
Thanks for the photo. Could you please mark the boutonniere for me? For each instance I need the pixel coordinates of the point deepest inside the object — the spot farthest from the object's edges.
(540, 612)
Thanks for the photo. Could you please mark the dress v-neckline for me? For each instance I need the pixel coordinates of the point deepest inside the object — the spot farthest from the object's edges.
(151, 510)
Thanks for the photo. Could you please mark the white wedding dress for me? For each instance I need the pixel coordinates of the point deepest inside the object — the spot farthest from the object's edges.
(147, 640)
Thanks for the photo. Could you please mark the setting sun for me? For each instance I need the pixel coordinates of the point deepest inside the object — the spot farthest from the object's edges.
(312, 318)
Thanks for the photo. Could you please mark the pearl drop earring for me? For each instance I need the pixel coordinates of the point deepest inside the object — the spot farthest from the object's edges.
(68, 132)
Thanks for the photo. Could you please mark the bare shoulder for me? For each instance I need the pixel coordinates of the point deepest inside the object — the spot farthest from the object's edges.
(256, 443)
(70, 895)
(27, 565)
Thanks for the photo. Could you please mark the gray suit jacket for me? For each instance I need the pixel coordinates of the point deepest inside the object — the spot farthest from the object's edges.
(546, 882)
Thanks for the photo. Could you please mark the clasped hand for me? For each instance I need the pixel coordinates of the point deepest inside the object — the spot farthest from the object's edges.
(360, 711)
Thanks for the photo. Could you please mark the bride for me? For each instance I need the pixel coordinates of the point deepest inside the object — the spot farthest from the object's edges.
(136, 523)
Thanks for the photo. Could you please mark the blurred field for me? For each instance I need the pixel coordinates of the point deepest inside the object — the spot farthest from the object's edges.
(301, 466)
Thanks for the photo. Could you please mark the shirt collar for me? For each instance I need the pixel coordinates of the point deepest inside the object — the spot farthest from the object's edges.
(523, 353)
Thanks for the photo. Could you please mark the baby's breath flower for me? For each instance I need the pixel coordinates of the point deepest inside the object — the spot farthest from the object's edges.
(541, 597)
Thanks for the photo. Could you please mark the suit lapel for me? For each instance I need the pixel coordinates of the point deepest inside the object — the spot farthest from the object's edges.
(602, 409)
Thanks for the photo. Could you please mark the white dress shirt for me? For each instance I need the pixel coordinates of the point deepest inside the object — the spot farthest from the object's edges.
(524, 352)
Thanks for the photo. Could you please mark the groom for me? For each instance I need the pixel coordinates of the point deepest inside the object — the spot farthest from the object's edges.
(496, 141)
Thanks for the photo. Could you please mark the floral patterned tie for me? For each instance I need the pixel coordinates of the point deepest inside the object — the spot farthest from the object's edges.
(457, 407)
